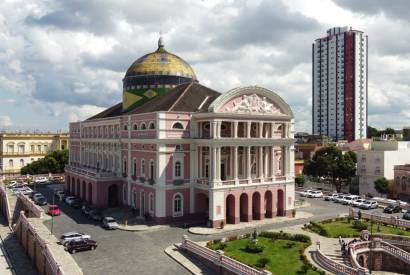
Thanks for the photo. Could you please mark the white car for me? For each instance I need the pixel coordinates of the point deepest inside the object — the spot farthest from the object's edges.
(40, 180)
(73, 236)
(305, 193)
(26, 191)
(358, 202)
(369, 205)
(348, 200)
(69, 200)
(109, 223)
(315, 194)
(12, 184)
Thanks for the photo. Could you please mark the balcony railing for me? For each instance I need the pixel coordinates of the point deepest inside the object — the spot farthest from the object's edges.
(25, 153)
(206, 181)
(90, 172)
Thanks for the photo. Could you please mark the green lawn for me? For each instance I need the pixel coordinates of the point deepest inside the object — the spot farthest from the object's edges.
(283, 260)
(345, 229)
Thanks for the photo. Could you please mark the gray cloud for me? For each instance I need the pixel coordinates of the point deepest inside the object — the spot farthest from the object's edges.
(395, 9)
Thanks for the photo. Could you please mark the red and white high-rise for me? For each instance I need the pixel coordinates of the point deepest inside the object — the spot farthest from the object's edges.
(339, 84)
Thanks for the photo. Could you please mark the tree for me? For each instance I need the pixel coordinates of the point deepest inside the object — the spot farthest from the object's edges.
(381, 185)
(300, 179)
(330, 163)
(53, 162)
(372, 132)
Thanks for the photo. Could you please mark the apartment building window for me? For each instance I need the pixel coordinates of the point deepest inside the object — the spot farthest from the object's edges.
(38, 148)
(33, 148)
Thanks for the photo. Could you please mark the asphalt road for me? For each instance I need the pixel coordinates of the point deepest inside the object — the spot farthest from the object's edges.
(121, 252)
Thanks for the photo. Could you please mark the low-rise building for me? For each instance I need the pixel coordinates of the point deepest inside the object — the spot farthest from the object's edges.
(18, 149)
(379, 161)
(402, 181)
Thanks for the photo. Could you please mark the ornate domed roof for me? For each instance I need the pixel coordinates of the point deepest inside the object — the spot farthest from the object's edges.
(161, 62)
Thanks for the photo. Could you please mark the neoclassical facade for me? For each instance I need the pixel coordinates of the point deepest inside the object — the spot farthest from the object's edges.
(18, 149)
(175, 149)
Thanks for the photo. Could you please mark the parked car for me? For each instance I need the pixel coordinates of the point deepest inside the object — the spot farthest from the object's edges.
(71, 236)
(348, 200)
(36, 195)
(305, 193)
(27, 191)
(392, 208)
(369, 205)
(77, 203)
(315, 194)
(358, 202)
(40, 180)
(86, 210)
(339, 198)
(96, 215)
(406, 215)
(109, 223)
(54, 210)
(80, 245)
(58, 193)
(40, 201)
(12, 184)
(70, 199)
(330, 197)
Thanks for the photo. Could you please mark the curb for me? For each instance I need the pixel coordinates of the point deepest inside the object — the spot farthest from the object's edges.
(129, 229)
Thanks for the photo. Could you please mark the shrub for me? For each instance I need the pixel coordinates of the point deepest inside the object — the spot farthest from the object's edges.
(327, 221)
(289, 245)
(232, 238)
(359, 225)
(262, 262)
(293, 213)
(317, 228)
(252, 247)
(222, 224)
(219, 246)
(285, 236)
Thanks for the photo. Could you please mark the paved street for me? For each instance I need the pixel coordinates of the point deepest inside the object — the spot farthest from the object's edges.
(121, 252)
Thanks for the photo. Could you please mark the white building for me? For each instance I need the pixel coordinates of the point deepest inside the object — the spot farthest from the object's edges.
(379, 162)
(19, 149)
(339, 84)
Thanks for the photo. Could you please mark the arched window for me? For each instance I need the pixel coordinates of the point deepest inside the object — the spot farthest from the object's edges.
(178, 147)
(135, 127)
(143, 167)
(11, 164)
(178, 125)
(151, 202)
(177, 169)
(143, 126)
(403, 183)
(21, 162)
(152, 125)
(280, 163)
(151, 169)
(177, 209)
(134, 168)
(124, 168)
(125, 127)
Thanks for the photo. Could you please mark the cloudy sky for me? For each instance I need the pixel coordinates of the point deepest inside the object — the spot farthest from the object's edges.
(63, 61)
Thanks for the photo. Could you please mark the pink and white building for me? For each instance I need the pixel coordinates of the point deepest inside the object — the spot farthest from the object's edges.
(188, 153)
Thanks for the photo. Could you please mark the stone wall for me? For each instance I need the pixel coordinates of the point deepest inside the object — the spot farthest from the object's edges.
(382, 261)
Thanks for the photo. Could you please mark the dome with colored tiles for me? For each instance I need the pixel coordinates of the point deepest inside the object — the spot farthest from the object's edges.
(154, 74)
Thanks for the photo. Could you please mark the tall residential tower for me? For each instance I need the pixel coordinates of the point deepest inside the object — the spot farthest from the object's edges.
(339, 84)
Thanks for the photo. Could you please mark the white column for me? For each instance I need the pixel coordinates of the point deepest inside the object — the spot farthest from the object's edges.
(248, 129)
(218, 129)
(248, 162)
(218, 163)
(213, 160)
(272, 130)
(265, 162)
(200, 162)
(272, 155)
(235, 164)
(260, 129)
(260, 162)
(235, 129)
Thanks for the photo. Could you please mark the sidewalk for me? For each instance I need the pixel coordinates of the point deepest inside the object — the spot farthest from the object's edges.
(189, 262)
(243, 225)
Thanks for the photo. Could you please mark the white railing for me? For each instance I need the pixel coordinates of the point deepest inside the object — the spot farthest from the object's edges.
(6, 203)
(396, 252)
(219, 259)
(48, 254)
(391, 220)
(393, 239)
(336, 267)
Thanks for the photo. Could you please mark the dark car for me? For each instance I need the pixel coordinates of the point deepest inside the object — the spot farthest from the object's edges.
(406, 215)
(86, 210)
(96, 215)
(76, 203)
(32, 194)
(392, 208)
(81, 245)
(40, 201)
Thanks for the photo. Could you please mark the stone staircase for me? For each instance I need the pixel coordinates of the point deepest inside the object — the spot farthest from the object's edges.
(333, 251)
